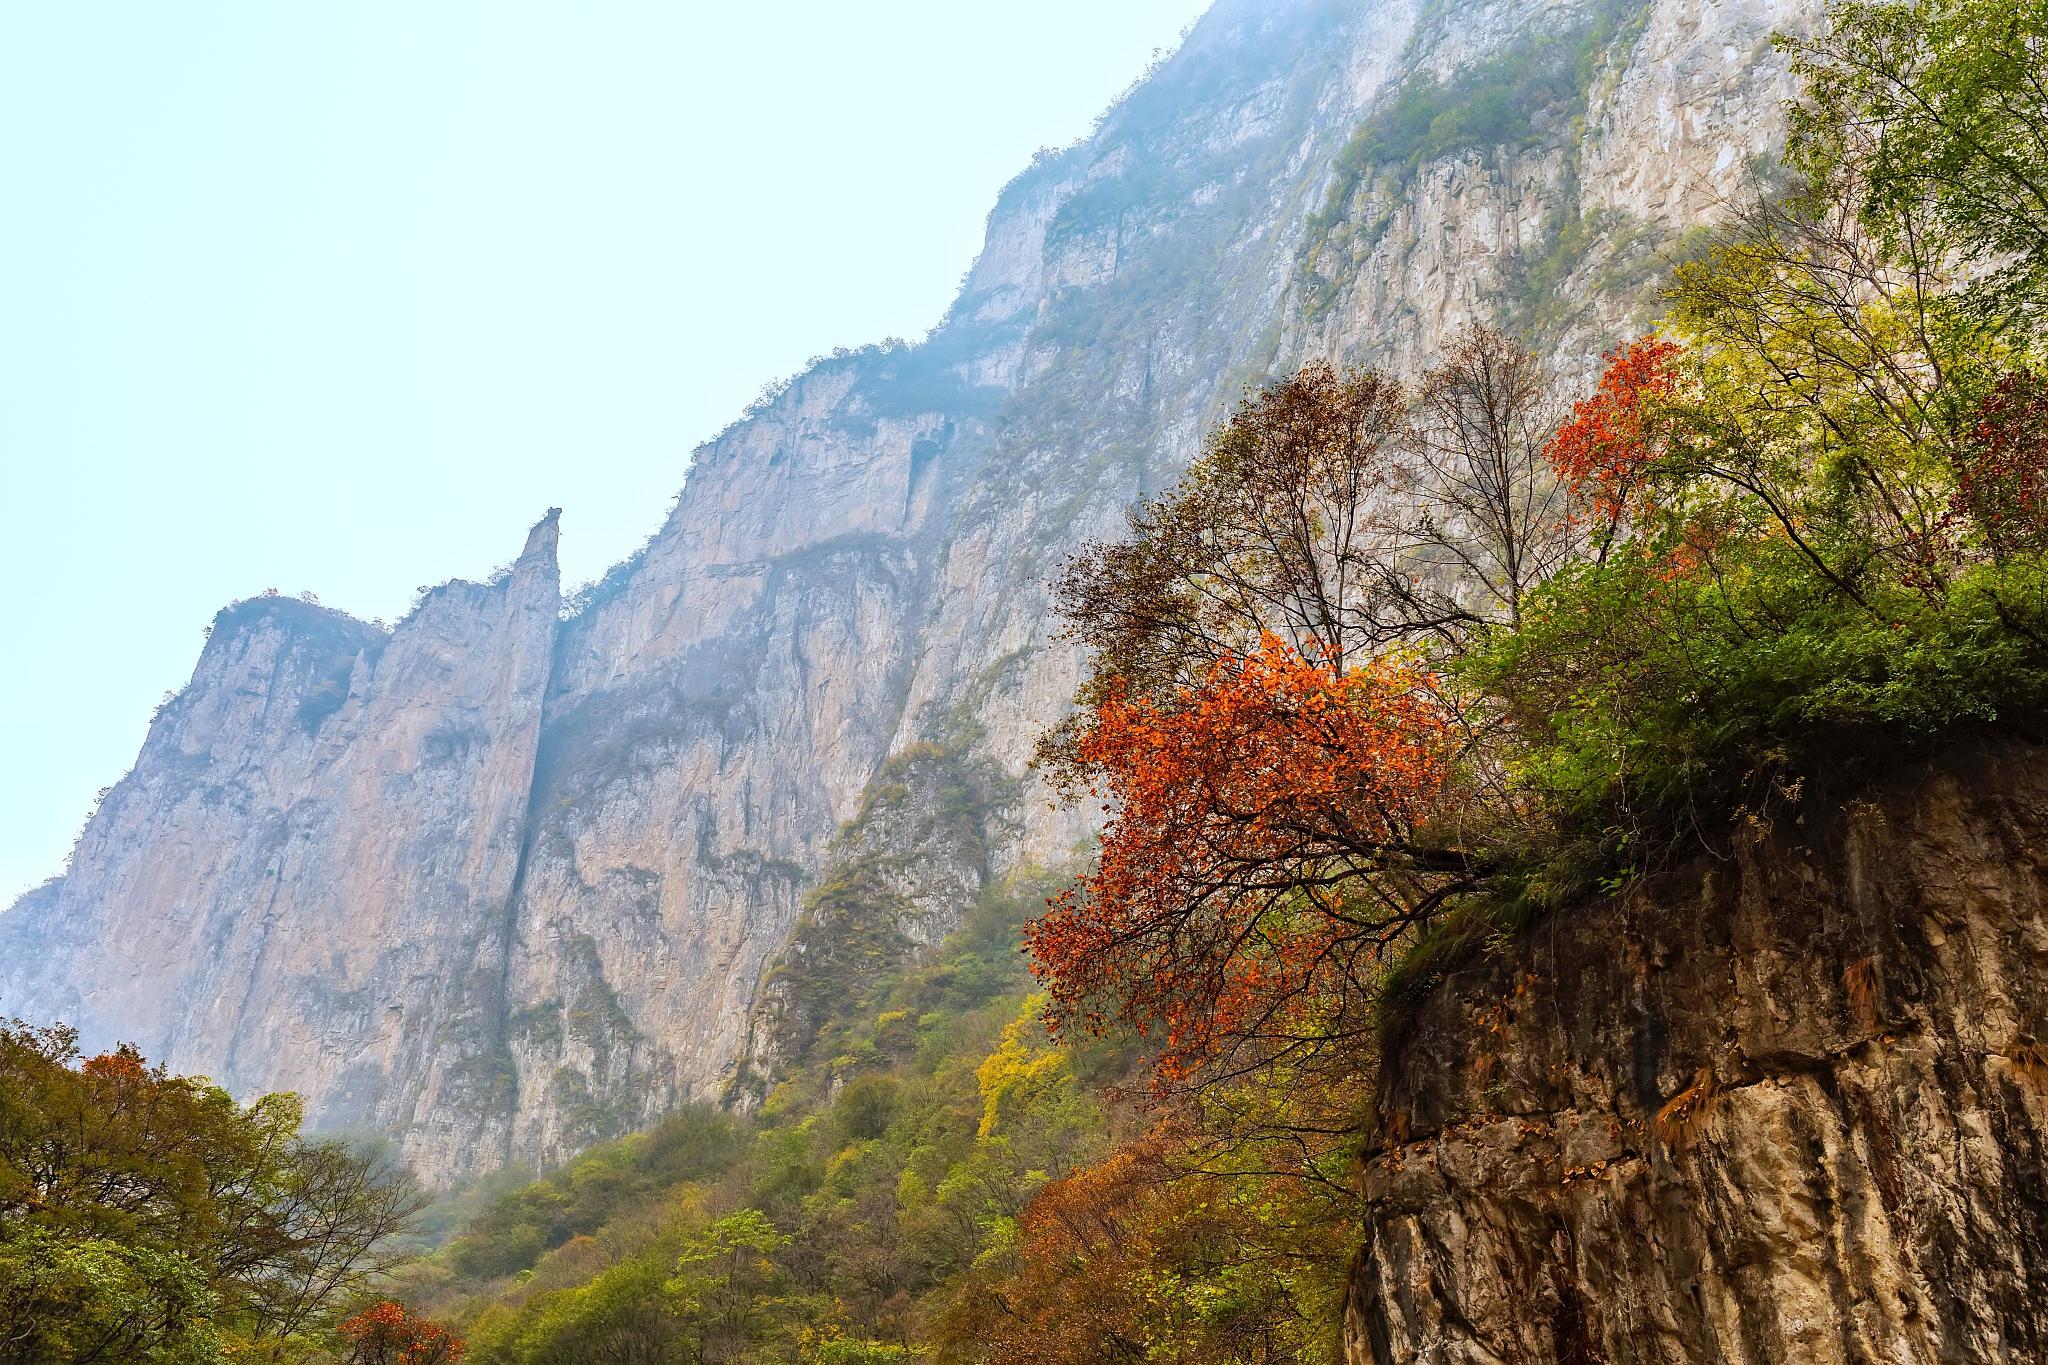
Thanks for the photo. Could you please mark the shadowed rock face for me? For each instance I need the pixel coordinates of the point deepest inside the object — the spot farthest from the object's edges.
(503, 884)
(1789, 1105)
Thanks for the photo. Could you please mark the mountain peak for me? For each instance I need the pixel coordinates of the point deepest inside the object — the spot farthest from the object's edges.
(545, 539)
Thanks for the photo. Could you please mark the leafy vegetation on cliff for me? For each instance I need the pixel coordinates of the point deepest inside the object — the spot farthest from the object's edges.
(1531, 96)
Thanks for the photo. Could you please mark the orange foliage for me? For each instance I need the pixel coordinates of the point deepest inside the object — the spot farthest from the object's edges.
(1603, 451)
(387, 1335)
(1254, 817)
(1132, 1259)
(125, 1065)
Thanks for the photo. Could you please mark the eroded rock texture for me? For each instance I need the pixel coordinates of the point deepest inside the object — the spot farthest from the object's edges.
(1786, 1105)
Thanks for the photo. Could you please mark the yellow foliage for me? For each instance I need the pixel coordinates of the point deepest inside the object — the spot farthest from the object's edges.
(1022, 1065)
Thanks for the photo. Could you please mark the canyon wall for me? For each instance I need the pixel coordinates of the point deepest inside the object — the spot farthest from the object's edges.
(1787, 1104)
(504, 880)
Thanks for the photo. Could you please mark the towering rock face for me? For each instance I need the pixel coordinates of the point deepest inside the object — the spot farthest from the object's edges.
(504, 885)
(1788, 1105)
(303, 882)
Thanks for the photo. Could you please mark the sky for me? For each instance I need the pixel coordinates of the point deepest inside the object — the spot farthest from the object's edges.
(342, 297)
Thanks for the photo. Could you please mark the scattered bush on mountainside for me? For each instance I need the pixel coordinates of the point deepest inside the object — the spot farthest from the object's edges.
(1530, 95)
(891, 1190)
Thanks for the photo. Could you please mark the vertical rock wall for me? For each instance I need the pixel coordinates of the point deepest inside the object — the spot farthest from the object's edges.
(304, 883)
(1786, 1105)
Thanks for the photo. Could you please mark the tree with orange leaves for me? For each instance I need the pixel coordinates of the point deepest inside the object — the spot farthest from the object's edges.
(1137, 1258)
(1604, 451)
(1271, 832)
(1273, 756)
(385, 1334)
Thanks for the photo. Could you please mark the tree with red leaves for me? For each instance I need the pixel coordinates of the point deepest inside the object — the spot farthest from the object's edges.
(1271, 832)
(1606, 448)
(2003, 470)
(385, 1334)
(1273, 756)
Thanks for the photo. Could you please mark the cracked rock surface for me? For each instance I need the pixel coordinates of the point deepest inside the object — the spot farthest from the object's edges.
(1781, 1105)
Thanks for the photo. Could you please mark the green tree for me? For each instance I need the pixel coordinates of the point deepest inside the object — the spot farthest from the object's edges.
(1940, 110)
(67, 1300)
(220, 1216)
(726, 1284)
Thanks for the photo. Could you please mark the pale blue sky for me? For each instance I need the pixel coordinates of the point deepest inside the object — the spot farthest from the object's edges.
(343, 295)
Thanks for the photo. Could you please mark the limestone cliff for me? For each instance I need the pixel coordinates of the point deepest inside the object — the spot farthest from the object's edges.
(302, 883)
(1788, 1104)
(504, 884)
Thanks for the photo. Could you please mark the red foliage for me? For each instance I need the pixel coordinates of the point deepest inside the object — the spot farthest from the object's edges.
(387, 1335)
(1248, 816)
(1613, 437)
(125, 1065)
(2004, 472)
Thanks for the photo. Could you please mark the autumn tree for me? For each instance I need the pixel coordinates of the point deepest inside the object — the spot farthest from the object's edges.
(1489, 517)
(386, 1334)
(1273, 829)
(1274, 758)
(1339, 513)
(1281, 528)
(1609, 447)
(2002, 474)
(1136, 1259)
(241, 1225)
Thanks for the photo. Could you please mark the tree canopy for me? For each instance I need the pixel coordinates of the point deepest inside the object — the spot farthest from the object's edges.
(150, 1217)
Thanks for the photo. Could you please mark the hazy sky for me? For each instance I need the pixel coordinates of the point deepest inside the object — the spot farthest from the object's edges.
(344, 295)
